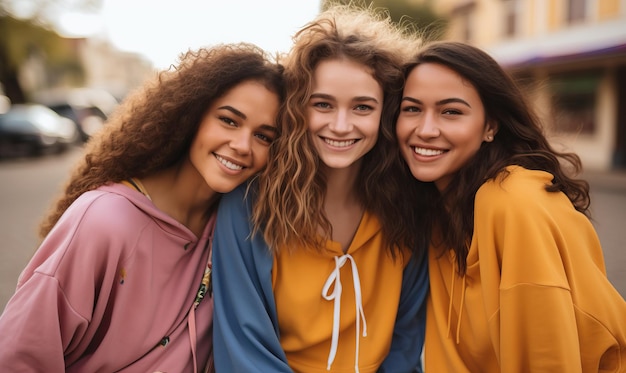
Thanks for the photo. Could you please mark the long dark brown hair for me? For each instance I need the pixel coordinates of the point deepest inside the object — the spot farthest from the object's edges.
(154, 127)
(520, 140)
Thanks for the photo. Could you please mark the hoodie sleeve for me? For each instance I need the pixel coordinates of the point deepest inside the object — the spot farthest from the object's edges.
(37, 324)
(46, 320)
(408, 335)
(245, 324)
(524, 234)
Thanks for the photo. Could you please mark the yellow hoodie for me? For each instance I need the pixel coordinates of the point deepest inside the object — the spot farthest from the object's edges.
(352, 297)
(535, 297)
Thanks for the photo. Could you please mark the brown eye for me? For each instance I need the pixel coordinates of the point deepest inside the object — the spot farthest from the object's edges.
(228, 121)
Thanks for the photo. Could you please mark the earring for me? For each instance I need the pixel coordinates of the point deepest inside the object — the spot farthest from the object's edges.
(489, 138)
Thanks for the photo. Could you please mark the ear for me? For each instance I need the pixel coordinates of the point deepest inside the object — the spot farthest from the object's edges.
(491, 128)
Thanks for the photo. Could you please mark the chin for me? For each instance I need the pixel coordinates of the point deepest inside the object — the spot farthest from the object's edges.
(224, 187)
(425, 178)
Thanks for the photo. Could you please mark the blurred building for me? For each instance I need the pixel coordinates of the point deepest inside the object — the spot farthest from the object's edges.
(569, 54)
(104, 66)
(111, 69)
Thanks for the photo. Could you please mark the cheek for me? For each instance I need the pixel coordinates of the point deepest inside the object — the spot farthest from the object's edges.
(261, 155)
(204, 133)
(469, 145)
(197, 144)
(372, 125)
(402, 130)
(313, 119)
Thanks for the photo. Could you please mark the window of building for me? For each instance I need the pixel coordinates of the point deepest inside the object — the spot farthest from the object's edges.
(574, 102)
(464, 13)
(511, 17)
(576, 10)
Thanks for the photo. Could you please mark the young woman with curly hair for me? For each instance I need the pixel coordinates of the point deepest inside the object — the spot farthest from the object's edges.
(517, 276)
(119, 279)
(314, 269)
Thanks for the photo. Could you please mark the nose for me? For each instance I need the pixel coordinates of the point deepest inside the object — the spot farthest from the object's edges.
(428, 127)
(341, 122)
(241, 142)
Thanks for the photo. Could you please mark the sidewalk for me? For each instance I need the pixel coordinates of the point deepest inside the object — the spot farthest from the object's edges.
(614, 180)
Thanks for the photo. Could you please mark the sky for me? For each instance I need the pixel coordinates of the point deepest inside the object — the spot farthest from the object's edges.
(162, 29)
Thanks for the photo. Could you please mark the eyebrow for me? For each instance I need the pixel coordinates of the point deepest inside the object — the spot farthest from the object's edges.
(270, 128)
(440, 102)
(358, 98)
(243, 116)
(234, 111)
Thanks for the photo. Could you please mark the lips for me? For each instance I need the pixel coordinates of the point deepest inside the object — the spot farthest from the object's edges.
(339, 143)
(228, 164)
(426, 152)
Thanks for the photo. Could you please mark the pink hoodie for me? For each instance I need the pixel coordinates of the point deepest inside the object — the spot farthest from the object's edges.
(111, 289)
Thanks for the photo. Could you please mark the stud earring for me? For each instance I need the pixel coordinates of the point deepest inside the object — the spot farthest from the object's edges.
(489, 138)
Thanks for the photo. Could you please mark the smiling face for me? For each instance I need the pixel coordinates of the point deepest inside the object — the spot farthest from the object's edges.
(441, 124)
(344, 112)
(232, 143)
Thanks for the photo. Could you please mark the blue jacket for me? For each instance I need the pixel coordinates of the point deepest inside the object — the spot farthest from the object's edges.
(246, 334)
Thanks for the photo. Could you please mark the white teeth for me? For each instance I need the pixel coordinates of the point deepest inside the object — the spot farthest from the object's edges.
(427, 152)
(339, 144)
(228, 164)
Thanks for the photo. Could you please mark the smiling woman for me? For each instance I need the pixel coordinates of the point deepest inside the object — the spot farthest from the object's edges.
(329, 235)
(128, 245)
(236, 131)
(517, 276)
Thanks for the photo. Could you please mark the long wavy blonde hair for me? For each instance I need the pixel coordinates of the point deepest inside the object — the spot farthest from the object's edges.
(153, 128)
(289, 204)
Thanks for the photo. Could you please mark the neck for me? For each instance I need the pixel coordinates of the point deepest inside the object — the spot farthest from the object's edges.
(342, 207)
(182, 193)
(340, 186)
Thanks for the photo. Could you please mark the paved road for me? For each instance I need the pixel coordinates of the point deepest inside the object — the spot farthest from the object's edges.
(608, 208)
(28, 187)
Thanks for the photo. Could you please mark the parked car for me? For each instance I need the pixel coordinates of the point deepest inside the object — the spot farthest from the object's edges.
(28, 129)
(88, 108)
(87, 119)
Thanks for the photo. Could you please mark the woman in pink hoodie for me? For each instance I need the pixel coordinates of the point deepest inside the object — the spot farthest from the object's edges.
(118, 282)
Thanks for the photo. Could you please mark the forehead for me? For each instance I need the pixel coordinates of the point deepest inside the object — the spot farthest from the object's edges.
(345, 75)
(432, 77)
(250, 98)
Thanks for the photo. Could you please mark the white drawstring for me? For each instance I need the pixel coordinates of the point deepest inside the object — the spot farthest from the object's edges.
(335, 296)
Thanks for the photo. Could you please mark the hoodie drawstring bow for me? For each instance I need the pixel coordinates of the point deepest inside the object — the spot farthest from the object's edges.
(335, 295)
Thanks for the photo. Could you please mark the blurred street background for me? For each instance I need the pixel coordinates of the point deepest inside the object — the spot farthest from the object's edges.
(73, 61)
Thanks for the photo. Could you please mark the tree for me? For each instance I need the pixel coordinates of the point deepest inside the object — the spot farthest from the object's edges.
(20, 38)
(420, 18)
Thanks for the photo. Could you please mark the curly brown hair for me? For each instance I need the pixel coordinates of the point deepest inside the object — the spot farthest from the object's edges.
(519, 141)
(289, 209)
(154, 126)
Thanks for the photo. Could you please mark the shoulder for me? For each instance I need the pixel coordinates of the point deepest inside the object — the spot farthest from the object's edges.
(97, 228)
(515, 187)
(102, 218)
(240, 197)
(236, 207)
(101, 209)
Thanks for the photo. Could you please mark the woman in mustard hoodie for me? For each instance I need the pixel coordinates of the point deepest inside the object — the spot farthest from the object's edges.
(517, 276)
(326, 280)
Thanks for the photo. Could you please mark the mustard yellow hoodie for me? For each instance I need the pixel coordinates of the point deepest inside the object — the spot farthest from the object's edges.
(281, 313)
(361, 288)
(535, 297)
